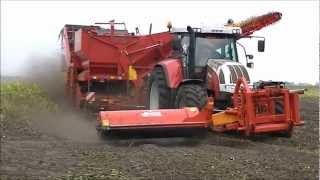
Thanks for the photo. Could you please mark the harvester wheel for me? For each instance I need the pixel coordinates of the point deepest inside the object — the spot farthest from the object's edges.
(191, 95)
(158, 90)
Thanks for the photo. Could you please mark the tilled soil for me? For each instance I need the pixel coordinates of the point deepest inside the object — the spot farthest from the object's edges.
(58, 149)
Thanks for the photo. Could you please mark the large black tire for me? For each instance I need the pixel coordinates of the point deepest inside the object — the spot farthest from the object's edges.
(159, 94)
(191, 95)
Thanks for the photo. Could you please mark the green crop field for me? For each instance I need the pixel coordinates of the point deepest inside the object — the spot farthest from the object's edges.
(20, 100)
(311, 92)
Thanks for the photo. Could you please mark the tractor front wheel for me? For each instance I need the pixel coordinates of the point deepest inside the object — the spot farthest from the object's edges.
(191, 95)
(159, 95)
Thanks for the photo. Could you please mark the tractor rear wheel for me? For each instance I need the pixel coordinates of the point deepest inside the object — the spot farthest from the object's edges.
(159, 94)
(191, 95)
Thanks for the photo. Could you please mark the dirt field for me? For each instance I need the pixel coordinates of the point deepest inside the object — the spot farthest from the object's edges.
(65, 146)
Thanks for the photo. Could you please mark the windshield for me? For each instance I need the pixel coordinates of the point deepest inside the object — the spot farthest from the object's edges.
(214, 48)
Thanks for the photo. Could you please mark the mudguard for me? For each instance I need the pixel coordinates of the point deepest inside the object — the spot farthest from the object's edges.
(173, 70)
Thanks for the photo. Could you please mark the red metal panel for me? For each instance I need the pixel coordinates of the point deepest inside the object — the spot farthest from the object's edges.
(66, 46)
(256, 109)
(271, 127)
(135, 119)
(213, 82)
(174, 72)
(164, 118)
(295, 109)
(114, 54)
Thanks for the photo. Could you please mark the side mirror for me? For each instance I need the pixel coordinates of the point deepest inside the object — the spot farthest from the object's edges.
(250, 64)
(249, 56)
(261, 44)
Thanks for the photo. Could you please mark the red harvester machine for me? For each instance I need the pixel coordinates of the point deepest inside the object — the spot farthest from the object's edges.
(186, 77)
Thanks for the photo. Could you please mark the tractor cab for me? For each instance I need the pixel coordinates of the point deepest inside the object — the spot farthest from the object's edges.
(211, 52)
(217, 43)
(210, 56)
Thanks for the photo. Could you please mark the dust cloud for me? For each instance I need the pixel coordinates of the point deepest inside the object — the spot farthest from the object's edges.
(68, 122)
(73, 124)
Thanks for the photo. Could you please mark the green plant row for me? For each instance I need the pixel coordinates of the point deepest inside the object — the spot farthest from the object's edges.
(20, 99)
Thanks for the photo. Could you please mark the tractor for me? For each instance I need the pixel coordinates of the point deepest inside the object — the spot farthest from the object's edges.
(205, 64)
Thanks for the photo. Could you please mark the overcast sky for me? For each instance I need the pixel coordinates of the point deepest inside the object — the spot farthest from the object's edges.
(292, 44)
